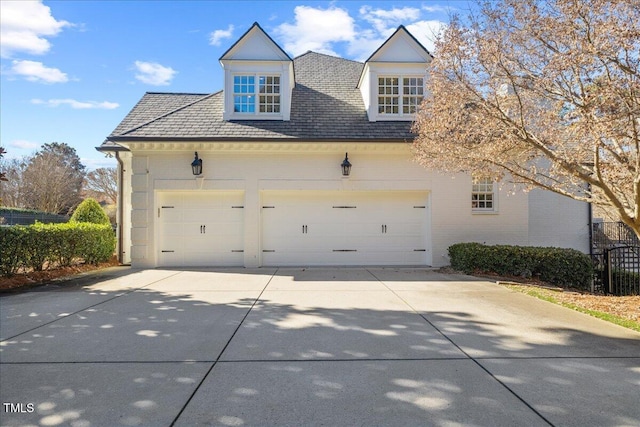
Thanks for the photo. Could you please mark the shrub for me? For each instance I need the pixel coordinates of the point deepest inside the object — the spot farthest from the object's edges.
(36, 245)
(11, 249)
(100, 247)
(565, 267)
(90, 211)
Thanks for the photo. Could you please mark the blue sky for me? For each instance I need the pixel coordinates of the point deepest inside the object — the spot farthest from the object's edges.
(71, 70)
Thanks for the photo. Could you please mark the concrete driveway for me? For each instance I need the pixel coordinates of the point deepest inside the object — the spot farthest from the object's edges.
(298, 347)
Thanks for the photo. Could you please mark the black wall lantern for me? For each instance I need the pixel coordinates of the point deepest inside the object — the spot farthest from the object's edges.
(196, 165)
(346, 165)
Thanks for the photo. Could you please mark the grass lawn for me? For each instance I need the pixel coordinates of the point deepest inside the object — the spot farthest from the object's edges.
(623, 311)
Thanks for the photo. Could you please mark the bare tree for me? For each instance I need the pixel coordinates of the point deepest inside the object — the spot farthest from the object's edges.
(103, 182)
(11, 189)
(52, 180)
(2, 174)
(541, 93)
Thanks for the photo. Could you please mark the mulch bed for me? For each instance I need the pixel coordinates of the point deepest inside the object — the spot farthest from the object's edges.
(28, 279)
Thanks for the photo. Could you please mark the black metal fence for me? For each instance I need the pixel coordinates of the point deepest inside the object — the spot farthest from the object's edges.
(616, 256)
(14, 217)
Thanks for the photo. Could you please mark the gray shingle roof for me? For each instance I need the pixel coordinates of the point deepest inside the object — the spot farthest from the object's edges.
(326, 105)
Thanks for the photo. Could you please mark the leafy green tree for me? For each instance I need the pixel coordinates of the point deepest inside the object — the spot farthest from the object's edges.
(90, 211)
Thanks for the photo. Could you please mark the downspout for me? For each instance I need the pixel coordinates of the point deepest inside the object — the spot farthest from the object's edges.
(121, 208)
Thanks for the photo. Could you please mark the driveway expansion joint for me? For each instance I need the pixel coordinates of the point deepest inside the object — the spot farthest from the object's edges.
(186, 404)
(244, 344)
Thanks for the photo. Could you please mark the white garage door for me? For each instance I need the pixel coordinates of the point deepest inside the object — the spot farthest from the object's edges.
(344, 228)
(201, 228)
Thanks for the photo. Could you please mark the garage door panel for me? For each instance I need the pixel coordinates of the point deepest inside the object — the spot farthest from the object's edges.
(201, 228)
(344, 228)
(171, 215)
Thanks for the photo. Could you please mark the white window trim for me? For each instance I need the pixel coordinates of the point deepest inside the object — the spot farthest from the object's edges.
(400, 115)
(485, 211)
(256, 95)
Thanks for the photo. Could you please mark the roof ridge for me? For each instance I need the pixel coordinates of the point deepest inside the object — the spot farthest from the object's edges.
(177, 93)
(326, 54)
(148, 122)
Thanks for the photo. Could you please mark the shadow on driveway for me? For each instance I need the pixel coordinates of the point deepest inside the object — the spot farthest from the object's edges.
(308, 347)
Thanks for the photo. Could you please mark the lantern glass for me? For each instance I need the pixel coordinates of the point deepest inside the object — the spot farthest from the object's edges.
(346, 165)
(196, 165)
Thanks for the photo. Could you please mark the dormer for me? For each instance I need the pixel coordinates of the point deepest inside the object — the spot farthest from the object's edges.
(258, 78)
(393, 78)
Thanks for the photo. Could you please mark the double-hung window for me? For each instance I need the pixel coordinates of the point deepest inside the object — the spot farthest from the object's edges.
(483, 195)
(400, 95)
(388, 95)
(412, 94)
(244, 94)
(256, 94)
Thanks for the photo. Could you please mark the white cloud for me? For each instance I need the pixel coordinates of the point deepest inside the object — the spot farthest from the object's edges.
(385, 21)
(316, 29)
(426, 32)
(154, 74)
(78, 105)
(366, 43)
(217, 36)
(437, 8)
(23, 144)
(37, 72)
(95, 163)
(24, 26)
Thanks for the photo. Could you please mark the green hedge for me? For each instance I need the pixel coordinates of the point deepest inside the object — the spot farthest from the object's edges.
(564, 267)
(37, 245)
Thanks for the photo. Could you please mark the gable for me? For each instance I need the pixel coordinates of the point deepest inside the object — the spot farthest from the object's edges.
(255, 45)
(401, 47)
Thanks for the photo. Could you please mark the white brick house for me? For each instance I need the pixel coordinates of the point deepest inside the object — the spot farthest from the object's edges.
(272, 190)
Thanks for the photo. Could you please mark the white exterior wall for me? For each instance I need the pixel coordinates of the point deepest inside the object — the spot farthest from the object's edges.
(141, 203)
(455, 222)
(124, 206)
(386, 167)
(555, 220)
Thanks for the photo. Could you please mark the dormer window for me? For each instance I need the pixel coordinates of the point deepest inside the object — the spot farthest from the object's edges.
(258, 78)
(393, 78)
(261, 98)
(390, 100)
